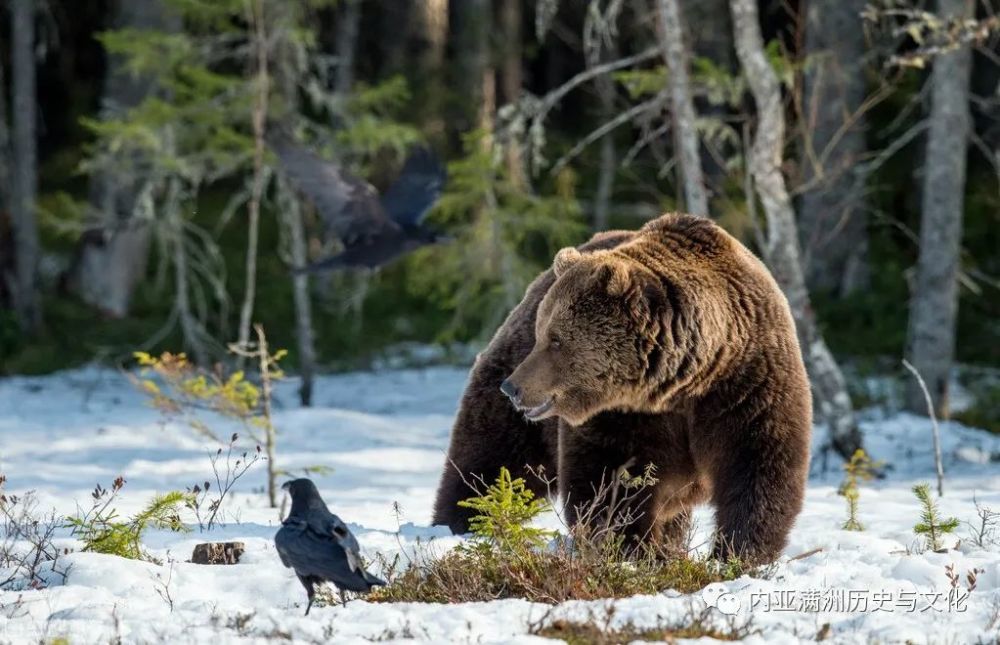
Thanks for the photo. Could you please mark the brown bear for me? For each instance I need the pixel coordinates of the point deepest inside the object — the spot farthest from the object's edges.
(670, 347)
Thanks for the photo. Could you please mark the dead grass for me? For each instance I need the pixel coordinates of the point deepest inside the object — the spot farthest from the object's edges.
(554, 575)
(593, 562)
(601, 631)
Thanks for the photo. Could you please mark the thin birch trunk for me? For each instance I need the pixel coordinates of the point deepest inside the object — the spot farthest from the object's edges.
(934, 303)
(687, 145)
(833, 404)
(304, 333)
(271, 435)
(259, 116)
(289, 206)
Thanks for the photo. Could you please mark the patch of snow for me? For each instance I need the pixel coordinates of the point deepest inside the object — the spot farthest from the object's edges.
(384, 434)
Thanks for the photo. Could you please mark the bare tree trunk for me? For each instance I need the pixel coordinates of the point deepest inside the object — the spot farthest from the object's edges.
(934, 303)
(303, 305)
(111, 259)
(685, 130)
(600, 49)
(6, 244)
(606, 175)
(271, 435)
(259, 116)
(431, 30)
(24, 186)
(511, 80)
(833, 404)
(834, 221)
(709, 32)
(475, 74)
(289, 206)
(347, 44)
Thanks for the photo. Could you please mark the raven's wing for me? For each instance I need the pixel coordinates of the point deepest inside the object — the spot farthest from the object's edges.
(349, 206)
(326, 524)
(416, 189)
(320, 556)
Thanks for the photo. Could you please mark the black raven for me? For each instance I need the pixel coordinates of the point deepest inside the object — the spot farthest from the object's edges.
(373, 230)
(318, 546)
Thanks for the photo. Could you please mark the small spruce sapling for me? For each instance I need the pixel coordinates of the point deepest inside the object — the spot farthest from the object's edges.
(102, 530)
(932, 526)
(505, 511)
(860, 468)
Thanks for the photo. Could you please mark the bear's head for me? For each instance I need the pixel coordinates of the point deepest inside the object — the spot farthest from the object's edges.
(597, 334)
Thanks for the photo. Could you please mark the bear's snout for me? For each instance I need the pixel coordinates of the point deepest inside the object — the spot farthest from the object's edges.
(511, 390)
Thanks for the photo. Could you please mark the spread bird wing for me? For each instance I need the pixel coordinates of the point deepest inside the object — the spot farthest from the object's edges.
(349, 206)
(420, 182)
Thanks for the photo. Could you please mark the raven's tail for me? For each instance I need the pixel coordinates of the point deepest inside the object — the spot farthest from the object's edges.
(373, 581)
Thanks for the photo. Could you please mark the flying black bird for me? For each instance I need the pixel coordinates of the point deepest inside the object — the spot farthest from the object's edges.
(318, 546)
(373, 230)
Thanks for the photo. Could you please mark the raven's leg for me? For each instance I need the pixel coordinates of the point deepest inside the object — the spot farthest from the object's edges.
(343, 597)
(308, 583)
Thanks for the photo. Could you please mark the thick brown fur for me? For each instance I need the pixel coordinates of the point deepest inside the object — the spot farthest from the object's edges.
(672, 347)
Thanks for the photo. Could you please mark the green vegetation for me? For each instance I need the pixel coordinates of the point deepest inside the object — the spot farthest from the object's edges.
(182, 390)
(504, 513)
(102, 530)
(507, 558)
(932, 527)
(190, 128)
(504, 236)
(860, 468)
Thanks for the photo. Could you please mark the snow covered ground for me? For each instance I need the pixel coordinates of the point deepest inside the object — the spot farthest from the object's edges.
(384, 434)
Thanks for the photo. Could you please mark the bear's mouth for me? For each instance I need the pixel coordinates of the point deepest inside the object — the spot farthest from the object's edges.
(539, 410)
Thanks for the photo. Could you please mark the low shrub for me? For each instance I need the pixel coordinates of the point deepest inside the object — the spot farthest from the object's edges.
(102, 530)
(27, 551)
(507, 558)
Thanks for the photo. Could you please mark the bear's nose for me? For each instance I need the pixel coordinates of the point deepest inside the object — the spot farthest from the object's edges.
(511, 389)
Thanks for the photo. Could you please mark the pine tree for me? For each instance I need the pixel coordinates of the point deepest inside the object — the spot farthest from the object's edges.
(505, 511)
(932, 526)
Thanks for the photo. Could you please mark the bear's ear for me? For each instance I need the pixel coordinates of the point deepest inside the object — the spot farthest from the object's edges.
(564, 259)
(619, 280)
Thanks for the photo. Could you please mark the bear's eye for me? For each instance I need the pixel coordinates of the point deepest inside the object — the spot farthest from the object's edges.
(555, 342)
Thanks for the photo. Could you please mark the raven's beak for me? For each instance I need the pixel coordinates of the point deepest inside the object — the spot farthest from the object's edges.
(286, 486)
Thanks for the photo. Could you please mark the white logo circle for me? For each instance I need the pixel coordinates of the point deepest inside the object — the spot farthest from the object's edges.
(711, 593)
(728, 604)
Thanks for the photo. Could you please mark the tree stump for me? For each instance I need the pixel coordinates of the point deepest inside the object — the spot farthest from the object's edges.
(217, 553)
